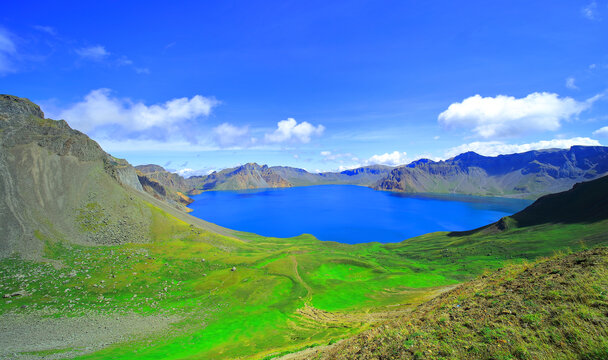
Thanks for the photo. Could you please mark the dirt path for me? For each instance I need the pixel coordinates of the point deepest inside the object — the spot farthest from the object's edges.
(300, 280)
(323, 318)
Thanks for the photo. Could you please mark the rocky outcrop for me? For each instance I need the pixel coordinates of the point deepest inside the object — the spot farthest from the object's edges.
(164, 177)
(526, 175)
(163, 192)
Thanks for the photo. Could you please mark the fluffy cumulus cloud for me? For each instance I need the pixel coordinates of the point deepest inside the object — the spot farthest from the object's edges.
(493, 148)
(290, 131)
(507, 116)
(393, 159)
(7, 51)
(601, 132)
(101, 112)
(96, 52)
(227, 135)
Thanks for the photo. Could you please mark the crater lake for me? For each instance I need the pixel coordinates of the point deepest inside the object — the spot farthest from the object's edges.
(347, 213)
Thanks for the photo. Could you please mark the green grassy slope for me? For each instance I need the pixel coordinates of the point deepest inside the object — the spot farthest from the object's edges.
(553, 309)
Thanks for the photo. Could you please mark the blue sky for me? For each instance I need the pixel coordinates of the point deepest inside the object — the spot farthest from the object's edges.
(316, 84)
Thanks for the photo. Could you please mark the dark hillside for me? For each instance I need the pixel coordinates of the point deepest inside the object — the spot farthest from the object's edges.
(585, 203)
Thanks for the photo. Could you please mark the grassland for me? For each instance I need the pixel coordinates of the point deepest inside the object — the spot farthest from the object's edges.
(284, 295)
(554, 308)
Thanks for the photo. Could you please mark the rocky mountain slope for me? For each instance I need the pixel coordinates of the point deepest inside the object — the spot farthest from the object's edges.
(526, 175)
(248, 176)
(58, 184)
(164, 185)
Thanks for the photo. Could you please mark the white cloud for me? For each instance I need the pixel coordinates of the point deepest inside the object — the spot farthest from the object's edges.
(592, 66)
(187, 172)
(602, 132)
(142, 70)
(590, 11)
(505, 116)
(393, 159)
(330, 156)
(100, 111)
(344, 167)
(493, 148)
(229, 135)
(290, 131)
(96, 53)
(124, 61)
(47, 29)
(571, 83)
(7, 51)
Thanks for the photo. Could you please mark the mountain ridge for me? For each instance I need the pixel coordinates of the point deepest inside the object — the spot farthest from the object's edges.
(526, 175)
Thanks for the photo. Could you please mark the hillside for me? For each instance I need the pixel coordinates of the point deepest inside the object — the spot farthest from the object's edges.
(525, 175)
(553, 309)
(585, 203)
(53, 179)
(58, 184)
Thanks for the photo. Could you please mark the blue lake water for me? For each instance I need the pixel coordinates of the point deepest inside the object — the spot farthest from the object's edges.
(348, 214)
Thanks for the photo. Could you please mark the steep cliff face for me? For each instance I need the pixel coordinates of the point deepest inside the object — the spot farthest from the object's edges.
(162, 190)
(164, 177)
(58, 184)
(528, 175)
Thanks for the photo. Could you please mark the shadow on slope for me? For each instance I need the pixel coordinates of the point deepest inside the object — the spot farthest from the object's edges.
(586, 202)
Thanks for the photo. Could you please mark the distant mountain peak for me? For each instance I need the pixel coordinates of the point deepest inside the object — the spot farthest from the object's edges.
(468, 156)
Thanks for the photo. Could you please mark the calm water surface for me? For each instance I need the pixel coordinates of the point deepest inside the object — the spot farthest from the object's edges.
(348, 214)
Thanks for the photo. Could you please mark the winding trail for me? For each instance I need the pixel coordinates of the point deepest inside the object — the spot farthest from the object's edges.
(300, 280)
